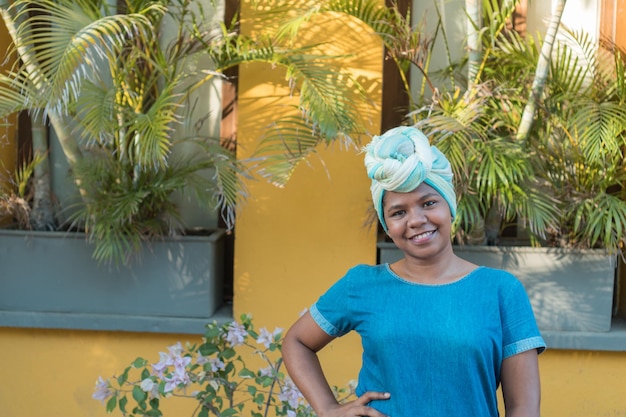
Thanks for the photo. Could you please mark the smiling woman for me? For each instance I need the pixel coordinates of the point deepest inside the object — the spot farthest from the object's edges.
(473, 326)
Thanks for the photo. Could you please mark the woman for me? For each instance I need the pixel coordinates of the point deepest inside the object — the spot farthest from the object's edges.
(439, 334)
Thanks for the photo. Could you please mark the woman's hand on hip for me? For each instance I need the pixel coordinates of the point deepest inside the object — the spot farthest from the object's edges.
(358, 407)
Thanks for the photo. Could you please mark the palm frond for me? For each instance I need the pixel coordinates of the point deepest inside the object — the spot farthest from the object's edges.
(600, 128)
(95, 111)
(600, 221)
(326, 94)
(537, 210)
(150, 132)
(287, 142)
(383, 20)
(58, 61)
(216, 177)
(14, 92)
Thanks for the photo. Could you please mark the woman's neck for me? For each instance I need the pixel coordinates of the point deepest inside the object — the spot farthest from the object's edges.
(441, 269)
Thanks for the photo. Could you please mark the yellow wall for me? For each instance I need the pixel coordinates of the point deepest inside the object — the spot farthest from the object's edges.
(291, 244)
(583, 384)
(52, 372)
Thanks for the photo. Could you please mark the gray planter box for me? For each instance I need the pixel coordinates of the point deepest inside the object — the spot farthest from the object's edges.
(52, 275)
(569, 290)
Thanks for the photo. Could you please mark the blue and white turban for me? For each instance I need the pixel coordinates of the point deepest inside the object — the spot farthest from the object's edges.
(400, 160)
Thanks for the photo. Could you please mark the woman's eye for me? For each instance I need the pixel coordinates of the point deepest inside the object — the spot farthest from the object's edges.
(397, 213)
(429, 203)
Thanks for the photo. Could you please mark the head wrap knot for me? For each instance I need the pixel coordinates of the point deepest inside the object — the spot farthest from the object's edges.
(400, 160)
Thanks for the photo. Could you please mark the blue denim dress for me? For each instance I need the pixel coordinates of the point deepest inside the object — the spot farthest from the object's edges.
(438, 349)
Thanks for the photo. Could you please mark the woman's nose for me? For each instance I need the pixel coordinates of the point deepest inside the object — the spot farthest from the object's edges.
(416, 218)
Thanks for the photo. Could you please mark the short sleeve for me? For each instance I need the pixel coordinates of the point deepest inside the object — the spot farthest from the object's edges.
(332, 311)
(519, 327)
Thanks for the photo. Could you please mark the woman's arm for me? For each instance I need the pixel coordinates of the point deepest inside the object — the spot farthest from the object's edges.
(300, 346)
(520, 385)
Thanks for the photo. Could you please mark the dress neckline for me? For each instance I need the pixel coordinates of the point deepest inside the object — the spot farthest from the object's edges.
(443, 284)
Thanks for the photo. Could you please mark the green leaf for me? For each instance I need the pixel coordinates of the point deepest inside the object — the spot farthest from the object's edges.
(204, 412)
(145, 374)
(228, 353)
(122, 404)
(246, 373)
(212, 332)
(124, 377)
(154, 403)
(208, 349)
(230, 367)
(259, 398)
(229, 412)
(111, 404)
(266, 381)
(139, 363)
(139, 395)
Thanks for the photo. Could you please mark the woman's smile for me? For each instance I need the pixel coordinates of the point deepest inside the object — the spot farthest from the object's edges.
(422, 237)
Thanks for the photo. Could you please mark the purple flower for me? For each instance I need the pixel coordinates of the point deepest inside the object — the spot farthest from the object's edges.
(268, 371)
(158, 369)
(236, 334)
(177, 378)
(175, 350)
(181, 362)
(175, 359)
(149, 386)
(103, 390)
(266, 338)
(217, 365)
(290, 394)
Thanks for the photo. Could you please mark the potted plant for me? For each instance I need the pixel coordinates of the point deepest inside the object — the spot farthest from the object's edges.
(119, 88)
(543, 200)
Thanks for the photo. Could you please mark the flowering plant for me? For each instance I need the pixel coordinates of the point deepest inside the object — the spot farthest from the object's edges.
(215, 375)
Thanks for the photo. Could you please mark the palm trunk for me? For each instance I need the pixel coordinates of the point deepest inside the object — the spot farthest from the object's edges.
(473, 9)
(541, 73)
(42, 216)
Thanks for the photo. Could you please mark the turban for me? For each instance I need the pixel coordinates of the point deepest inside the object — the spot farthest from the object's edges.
(400, 160)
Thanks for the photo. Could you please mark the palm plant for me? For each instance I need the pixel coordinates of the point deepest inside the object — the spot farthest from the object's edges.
(475, 122)
(561, 175)
(118, 94)
(580, 138)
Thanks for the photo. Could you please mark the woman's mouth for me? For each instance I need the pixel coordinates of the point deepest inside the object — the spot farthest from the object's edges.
(422, 236)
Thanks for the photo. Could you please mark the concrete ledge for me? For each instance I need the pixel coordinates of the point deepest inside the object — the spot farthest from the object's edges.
(110, 322)
(613, 340)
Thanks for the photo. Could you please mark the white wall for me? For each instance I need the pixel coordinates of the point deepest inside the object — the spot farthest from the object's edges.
(578, 15)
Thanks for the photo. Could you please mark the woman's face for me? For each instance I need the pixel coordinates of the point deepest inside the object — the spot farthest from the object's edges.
(419, 222)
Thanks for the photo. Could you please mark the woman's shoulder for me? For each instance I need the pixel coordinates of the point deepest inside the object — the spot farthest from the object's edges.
(495, 276)
(365, 270)
(495, 272)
